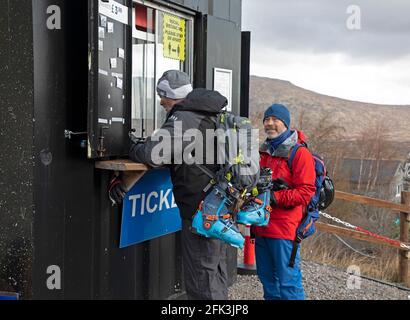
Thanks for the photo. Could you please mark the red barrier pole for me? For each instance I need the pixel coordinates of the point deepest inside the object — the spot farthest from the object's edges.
(248, 267)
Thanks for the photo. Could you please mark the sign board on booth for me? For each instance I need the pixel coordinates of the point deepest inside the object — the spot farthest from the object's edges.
(174, 37)
(149, 209)
(9, 295)
(223, 84)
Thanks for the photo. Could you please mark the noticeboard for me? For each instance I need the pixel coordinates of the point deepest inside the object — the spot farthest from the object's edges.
(109, 78)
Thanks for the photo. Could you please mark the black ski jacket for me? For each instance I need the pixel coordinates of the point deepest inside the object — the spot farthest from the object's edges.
(197, 111)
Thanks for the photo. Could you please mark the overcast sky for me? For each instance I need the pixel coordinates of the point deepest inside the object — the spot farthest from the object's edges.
(308, 42)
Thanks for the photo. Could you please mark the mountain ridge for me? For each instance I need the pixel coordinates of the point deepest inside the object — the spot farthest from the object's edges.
(287, 82)
(354, 116)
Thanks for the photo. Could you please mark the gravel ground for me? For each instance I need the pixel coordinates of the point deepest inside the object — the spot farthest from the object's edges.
(322, 282)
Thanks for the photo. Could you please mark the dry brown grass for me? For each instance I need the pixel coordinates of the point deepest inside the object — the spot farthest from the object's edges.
(327, 249)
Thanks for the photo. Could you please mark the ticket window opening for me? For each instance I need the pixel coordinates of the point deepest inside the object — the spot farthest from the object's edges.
(150, 61)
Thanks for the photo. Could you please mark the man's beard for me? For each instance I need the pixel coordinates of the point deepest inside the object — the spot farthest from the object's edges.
(272, 134)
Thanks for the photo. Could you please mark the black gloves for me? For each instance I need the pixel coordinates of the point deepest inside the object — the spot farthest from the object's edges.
(116, 190)
(273, 201)
(279, 184)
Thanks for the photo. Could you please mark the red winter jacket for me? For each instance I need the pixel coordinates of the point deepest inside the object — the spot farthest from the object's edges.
(287, 215)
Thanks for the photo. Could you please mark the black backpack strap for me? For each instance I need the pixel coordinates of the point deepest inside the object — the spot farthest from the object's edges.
(210, 174)
(294, 252)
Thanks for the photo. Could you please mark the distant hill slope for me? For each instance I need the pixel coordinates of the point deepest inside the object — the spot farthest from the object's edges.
(351, 115)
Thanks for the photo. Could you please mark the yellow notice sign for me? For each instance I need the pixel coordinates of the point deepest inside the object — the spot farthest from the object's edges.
(174, 37)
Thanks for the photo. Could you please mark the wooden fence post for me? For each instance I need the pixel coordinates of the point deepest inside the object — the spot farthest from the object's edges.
(404, 266)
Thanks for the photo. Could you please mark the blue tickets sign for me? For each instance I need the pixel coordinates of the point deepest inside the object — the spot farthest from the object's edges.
(149, 210)
(9, 295)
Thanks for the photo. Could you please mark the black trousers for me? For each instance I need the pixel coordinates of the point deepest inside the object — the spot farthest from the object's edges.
(205, 266)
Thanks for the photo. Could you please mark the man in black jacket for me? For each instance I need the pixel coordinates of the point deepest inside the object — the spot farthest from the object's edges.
(204, 259)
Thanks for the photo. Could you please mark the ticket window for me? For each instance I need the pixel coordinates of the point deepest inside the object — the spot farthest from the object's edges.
(161, 40)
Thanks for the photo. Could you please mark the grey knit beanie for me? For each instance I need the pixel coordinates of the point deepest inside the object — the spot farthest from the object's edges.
(174, 84)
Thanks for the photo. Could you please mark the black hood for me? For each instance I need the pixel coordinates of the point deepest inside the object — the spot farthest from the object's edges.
(203, 100)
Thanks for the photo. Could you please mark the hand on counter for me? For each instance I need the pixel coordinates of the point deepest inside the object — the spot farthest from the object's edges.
(116, 190)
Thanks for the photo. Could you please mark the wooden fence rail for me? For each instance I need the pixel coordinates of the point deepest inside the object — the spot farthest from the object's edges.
(396, 207)
(403, 208)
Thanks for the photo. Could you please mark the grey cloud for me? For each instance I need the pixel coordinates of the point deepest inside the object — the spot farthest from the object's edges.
(319, 26)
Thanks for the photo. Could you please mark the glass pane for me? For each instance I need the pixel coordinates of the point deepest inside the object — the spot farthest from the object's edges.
(163, 64)
(143, 71)
(138, 79)
(189, 41)
(148, 66)
(151, 92)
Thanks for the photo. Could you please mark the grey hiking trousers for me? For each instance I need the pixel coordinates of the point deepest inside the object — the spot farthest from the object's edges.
(205, 265)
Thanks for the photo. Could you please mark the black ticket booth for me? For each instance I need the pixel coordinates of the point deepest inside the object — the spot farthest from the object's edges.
(76, 77)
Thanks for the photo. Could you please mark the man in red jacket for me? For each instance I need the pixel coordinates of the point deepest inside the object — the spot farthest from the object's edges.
(274, 243)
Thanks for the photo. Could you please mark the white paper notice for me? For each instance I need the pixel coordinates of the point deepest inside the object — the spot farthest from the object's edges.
(121, 53)
(103, 21)
(117, 75)
(101, 32)
(117, 119)
(223, 84)
(101, 71)
(113, 63)
(100, 45)
(119, 83)
(114, 10)
(110, 28)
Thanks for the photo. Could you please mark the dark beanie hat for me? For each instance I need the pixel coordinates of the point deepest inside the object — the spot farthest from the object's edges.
(279, 111)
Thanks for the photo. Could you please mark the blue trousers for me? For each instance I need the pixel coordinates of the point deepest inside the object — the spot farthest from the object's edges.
(280, 282)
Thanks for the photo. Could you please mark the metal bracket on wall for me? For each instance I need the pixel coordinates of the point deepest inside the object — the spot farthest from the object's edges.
(69, 133)
(101, 150)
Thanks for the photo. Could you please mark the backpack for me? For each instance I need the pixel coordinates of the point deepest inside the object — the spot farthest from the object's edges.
(323, 197)
(241, 162)
(238, 158)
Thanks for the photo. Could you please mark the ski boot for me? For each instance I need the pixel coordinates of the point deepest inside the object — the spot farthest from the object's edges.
(257, 210)
(212, 219)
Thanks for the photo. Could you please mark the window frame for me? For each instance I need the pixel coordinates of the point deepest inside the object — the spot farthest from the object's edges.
(189, 66)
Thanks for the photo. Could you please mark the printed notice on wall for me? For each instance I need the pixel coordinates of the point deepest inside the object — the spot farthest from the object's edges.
(113, 10)
(174, 37)
(223, 84)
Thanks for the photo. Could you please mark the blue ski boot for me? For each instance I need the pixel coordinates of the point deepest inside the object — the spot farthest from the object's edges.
(257, 210)
(212, 219)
